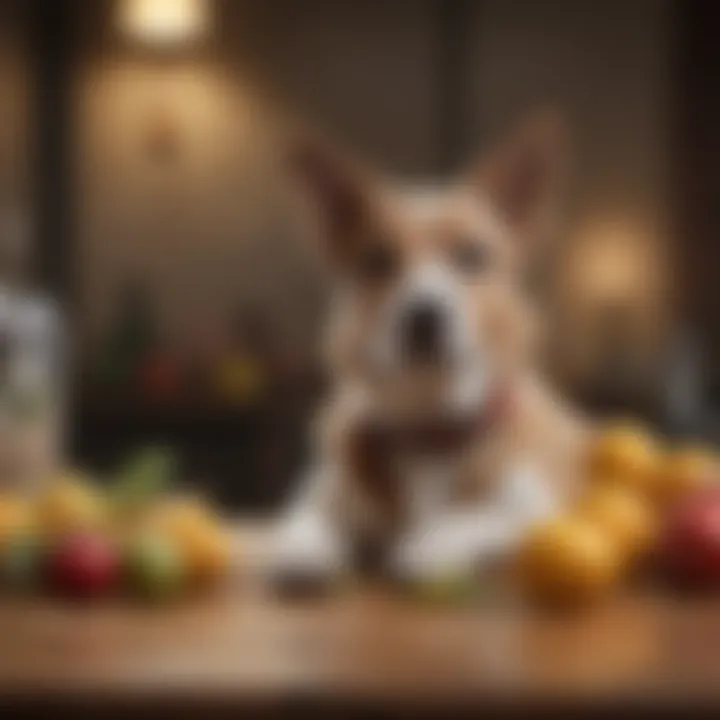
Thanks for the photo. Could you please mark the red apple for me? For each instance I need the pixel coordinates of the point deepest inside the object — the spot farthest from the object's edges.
(83, 566)
(690, 548)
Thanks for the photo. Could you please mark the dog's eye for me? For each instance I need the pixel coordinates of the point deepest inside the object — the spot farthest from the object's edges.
(471, 256)
(377, 263)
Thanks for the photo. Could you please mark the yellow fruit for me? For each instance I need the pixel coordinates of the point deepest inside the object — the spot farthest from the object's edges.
(179, 515)
(625, 455)
(683, 471)
(15, 518)
(626, 516)
(206, 552)
(238, 378)
(568, 561)
(197, 532)
(71, 504)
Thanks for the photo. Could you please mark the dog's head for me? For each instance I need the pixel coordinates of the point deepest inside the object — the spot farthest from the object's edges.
(430, 301)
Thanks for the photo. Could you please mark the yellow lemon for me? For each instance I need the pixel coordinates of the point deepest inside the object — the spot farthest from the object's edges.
(568, 561)
(69, 504)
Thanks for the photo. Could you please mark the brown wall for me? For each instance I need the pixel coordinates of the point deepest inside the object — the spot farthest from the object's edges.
(368, 71)
(365, 70)
(607, 66)
(204, 228)
(15, 160)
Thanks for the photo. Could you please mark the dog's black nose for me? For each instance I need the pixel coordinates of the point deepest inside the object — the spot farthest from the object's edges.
(423, 329)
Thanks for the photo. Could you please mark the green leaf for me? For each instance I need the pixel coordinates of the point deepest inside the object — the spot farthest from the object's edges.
(144, 475)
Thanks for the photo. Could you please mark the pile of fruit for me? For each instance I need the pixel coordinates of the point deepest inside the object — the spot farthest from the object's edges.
(643, 507)
(133, 536)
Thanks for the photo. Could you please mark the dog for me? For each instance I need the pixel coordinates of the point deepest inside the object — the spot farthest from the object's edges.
(440, 442)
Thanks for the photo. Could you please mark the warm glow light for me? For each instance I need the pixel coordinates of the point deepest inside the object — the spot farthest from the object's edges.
(615, 262)
(164, 22)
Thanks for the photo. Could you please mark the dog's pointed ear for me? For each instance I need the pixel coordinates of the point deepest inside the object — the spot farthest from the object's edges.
(524, 177)
(338, 190)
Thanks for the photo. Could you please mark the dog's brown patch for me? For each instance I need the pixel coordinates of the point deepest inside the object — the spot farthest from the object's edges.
(375, 449)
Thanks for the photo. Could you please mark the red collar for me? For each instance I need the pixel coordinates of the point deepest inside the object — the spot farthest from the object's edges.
(441, 434)
(374, 446)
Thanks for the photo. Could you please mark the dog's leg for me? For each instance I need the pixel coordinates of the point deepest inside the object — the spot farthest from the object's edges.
(309, 547)
(462, 541)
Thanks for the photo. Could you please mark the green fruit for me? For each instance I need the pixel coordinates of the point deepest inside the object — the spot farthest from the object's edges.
(446, 590)
(23, 563)
(143, 476)
(154, 567)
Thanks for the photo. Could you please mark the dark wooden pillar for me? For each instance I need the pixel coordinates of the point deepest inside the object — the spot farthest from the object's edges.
(696, 174)
(53, 46)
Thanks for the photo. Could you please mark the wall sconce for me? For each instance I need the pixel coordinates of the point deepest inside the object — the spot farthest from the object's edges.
(163, 26)
(166, 23)
(613, 291)
(615, 263)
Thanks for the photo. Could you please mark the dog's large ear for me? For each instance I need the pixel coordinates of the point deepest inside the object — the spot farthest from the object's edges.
(524, 177)
(339, 191)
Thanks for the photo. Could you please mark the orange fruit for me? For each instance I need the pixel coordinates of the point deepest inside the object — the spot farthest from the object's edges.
(683, 471)
(197, 532)
(626, 516)
(568, 561)
(626, 455)
(179, 514)
(207, 553)
(15, 518)
(71, 504)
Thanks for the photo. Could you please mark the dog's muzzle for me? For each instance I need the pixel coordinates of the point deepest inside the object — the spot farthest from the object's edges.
(423, 332)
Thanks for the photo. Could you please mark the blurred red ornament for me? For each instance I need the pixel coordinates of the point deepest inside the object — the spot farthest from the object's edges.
(160, 376)
(83, 566)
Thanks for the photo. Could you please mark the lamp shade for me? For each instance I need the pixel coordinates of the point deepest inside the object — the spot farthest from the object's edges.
(164, 22)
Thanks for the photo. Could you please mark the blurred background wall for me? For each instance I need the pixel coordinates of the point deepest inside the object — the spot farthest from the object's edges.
(179, 240)
(15, 134)
(378, 75)
(608, 67)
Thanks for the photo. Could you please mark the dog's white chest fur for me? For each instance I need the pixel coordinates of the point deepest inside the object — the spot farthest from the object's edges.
(427, 486)
(445, 539)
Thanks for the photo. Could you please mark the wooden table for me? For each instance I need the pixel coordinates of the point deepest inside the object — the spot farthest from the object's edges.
(241, 649)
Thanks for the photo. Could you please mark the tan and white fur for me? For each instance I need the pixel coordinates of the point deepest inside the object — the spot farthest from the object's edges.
(431, 319)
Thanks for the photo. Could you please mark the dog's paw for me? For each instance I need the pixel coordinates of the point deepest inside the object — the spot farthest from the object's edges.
(427, 554)
(427, 570)
(308, 559)
(452, 547)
